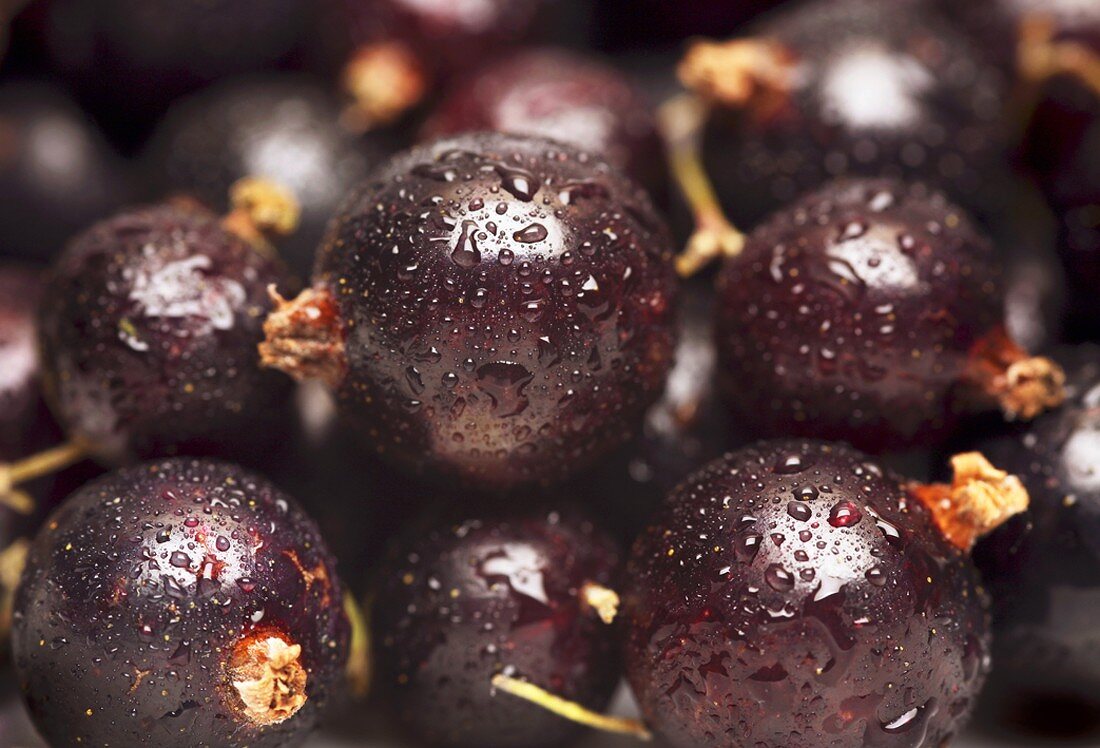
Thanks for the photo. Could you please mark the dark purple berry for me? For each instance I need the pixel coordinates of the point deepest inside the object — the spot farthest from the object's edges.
(149, 337)
(492, 307)
(557, 94)
(1080, 251)
(847, 88)
(57, 173)
(20, 292)
(794, 594)
(873, 312)
(1044, 569)
(279, 127)
(460, 604)
(184, 601)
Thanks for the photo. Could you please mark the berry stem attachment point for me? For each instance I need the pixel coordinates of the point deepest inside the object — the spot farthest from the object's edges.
(681, 120)
(261, 211)
(570, 710)
(36, 466)
(384, 80)
(1040, 57)
(602, 600)
(739, 72)
(979, 499)
(1022, 385)
(358, 669)
(268, 676)
(304, 337)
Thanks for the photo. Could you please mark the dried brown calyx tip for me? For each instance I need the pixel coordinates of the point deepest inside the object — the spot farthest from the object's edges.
(602, 600)
(681, 120)
(979, 499)
(739, 72)
(568, 709)
(36, 466)
(260, 211)
(1040, 56)
(385, 80)
(305, 338)
(267, 675)
(1022, 385)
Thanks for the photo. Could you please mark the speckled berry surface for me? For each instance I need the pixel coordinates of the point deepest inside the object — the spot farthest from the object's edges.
(791, 594)
(149, 342)
(1044, 569)
(141, 588)
(852, 313)
(460, 602)
(507, 305)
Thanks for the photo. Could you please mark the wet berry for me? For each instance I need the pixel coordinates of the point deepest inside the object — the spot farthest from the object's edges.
(493, 307)
(187, 600)
(847, 88)
(279, 127)
(872, 312)
(149, 336)
(57, 173)
(564, 96)
(1044, 569)
(130, 58)
(795, 594)
(462, 603)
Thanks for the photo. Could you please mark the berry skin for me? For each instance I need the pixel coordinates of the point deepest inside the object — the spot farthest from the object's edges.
(279, 127)
(57, 173)
(1044, 569)
(871, 312)
(463, 602)
(149, 338)
(491, 307)
(794, 594)
(554, 93)
(184, 601)
(849, 88)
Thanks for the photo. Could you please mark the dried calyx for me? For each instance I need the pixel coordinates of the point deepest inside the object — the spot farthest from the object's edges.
(1023, 386)
(305, 338)
(1040, 55)
(261, 211)
(385, 81)
(979, 499)
(268, 678)
(740, 72)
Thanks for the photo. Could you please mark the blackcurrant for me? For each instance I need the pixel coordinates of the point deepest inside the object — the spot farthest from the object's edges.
(796, 594)
(280, 127)
(489, 306)
(1044, 569)
(554, 93)
(184, 602)
(847, 88)
(57, 173)
(148, 338)
(467, 608)
(871, 311)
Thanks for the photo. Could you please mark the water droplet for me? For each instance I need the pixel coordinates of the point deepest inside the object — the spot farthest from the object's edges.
(778, 578)
(180, 559)
(799, 511)
(875, 576)
(416, 383)
(845, 514)
(520, 182)
(466, 253)
(531, 234)
(505, 383)
(791, 464)
(746, 547)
